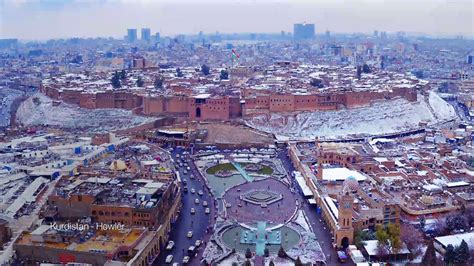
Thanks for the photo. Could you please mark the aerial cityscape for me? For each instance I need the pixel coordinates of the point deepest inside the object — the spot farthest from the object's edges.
(300, 140)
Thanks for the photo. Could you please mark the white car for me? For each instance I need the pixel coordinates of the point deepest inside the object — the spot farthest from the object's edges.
(193, 211)
(185, 259)
(200, 193)
(193, 190)
(169, 259)
(204, 203)
(197, 243)
(189, 234)
(191, 176)
(207, 211)
(170, 245)
(196, 201)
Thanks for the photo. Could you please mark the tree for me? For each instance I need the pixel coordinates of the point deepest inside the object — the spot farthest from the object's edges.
(271, 263)
(123, 75)
(316, 82)
(179, 73)
(116, 80)
(266, 252)
(247, 263)
(365, 69)
(455, 223)
(281, 252)
(450, 255)
(359, 236)
(422, 222)
(158, 83)
(381, 235)
(140, 82)
(430, 255)
(205, 69)
(462, 253)
(393, 231)
(248, 253)
(359, 72)
(412, 237)
(224, 75)
(298, 262)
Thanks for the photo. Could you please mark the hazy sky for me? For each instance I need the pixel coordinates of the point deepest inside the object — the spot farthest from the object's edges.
(44, 19)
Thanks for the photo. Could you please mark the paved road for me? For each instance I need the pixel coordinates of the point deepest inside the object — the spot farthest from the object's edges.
(186, 221)
(316, 220)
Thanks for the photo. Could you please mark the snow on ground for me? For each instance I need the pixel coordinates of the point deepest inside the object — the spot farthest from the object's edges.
(380, 118)
(301, 221)
(39, 110)
(7, 96)
(308, 250)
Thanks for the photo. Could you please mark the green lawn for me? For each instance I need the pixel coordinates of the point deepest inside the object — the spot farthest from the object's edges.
(225, 166)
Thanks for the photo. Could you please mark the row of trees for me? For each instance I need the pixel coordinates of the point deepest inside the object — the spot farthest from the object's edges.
(119, 77)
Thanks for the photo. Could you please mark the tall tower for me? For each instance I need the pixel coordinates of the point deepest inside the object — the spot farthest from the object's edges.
(131, 35)
(146, 35)
(345, 231)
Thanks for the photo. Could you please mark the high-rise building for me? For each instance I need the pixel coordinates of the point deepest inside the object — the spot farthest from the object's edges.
(146, 35)
(470, 59)
(328, 34)
(131, 35)
(376, 33)
(303, 31)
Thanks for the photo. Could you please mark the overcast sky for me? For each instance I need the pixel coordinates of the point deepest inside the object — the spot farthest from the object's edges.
(45, 19)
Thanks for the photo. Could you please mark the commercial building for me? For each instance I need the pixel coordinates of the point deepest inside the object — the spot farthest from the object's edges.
(131, 35)
(303, 31)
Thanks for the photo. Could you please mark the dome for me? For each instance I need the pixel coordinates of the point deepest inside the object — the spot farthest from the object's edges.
(350, 184)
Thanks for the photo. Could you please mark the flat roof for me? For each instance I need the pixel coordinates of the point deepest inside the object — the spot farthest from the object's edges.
(341, 174)
(302, 183)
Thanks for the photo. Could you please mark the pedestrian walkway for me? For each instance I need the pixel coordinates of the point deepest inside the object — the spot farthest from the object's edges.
(243, 172)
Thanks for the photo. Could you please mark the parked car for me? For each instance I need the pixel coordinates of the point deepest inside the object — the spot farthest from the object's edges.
(207, 211)
(169, 259)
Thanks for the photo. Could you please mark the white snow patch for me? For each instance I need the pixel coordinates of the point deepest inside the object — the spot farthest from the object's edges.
(71, 116)
(380, 118)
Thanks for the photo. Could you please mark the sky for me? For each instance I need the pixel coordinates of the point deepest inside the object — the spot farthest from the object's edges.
(48, 19)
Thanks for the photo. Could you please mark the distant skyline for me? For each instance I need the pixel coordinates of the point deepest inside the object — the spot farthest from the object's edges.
(50, 19)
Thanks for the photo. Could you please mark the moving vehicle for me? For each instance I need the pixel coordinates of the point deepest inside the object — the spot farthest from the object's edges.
(193, 190)
(200, 193)
(193, 211)
(196, 201)
(189, 234)
(204, 203)
(185, 259)
(170, 245)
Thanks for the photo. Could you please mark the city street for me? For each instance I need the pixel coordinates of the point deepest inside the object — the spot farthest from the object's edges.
(316, 220)
(197, 223)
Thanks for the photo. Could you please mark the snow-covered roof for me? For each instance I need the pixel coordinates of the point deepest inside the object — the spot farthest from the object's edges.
(371, 247)
(457, 184)
(342, 173)
(456, 240)
(300, 179)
